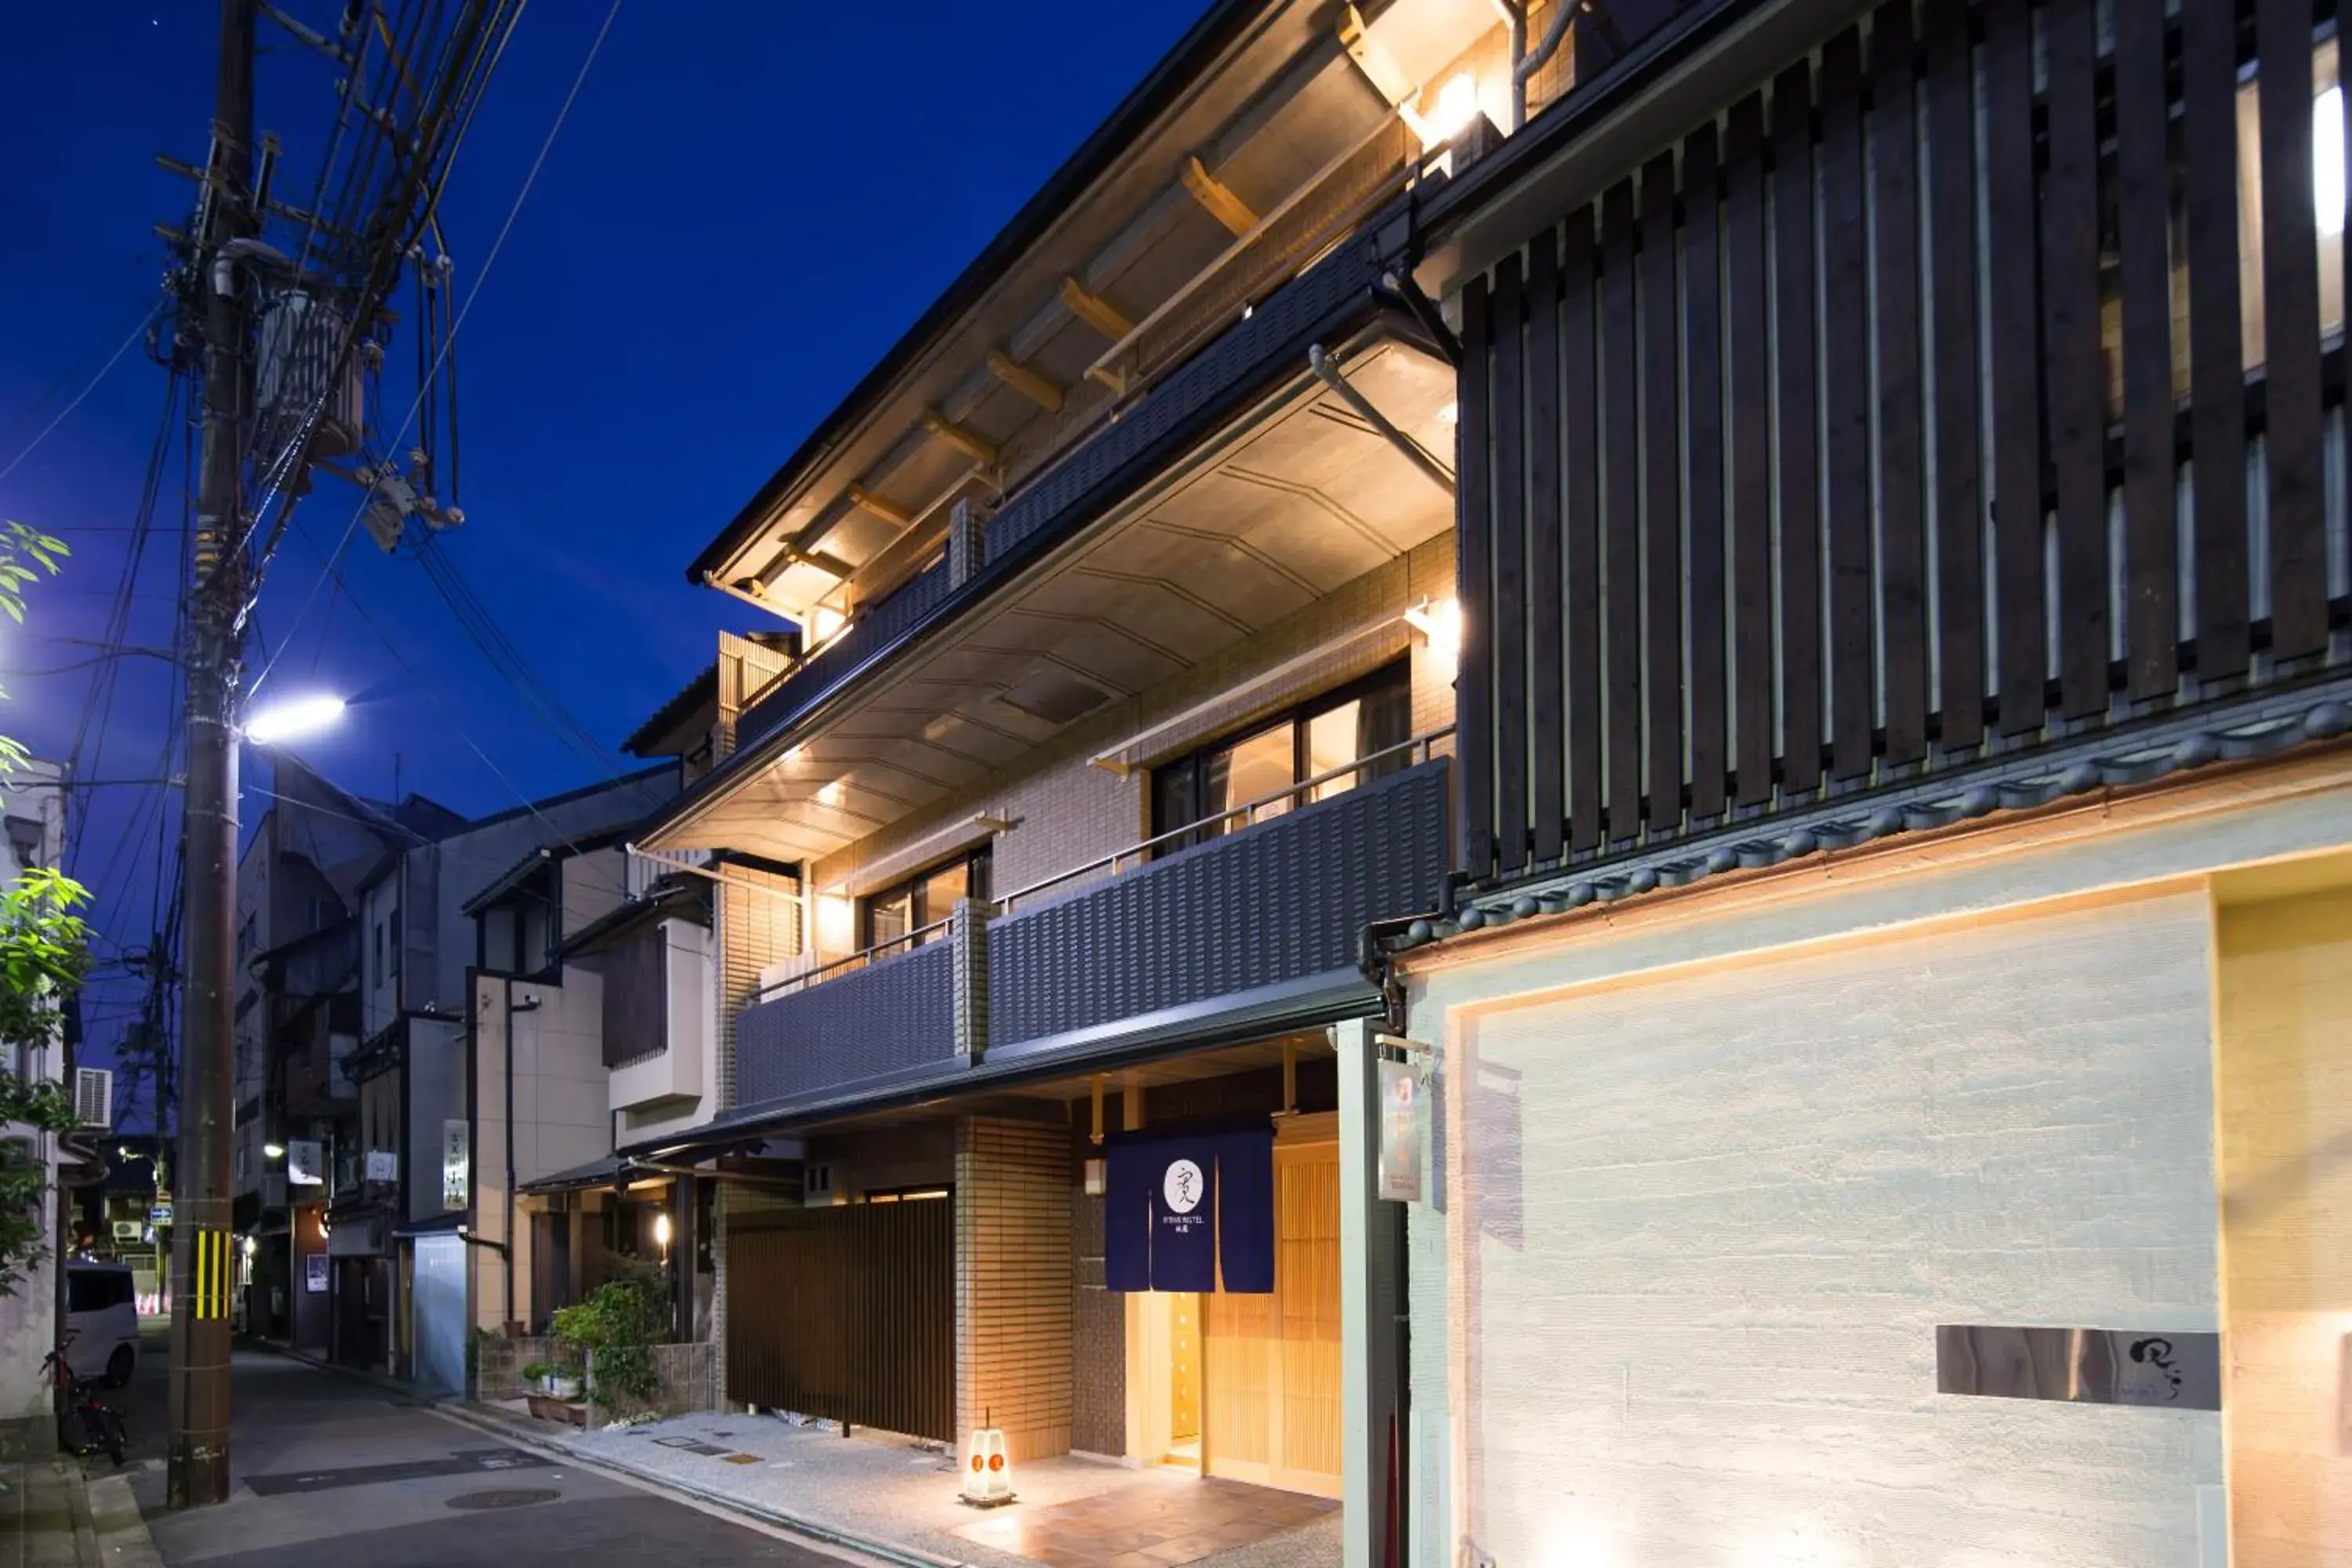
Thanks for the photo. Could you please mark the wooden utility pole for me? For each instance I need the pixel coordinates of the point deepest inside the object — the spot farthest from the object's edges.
(202, 1253)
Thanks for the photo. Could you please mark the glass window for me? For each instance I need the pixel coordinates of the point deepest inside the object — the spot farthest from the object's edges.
(924, 900)
(1366, 719)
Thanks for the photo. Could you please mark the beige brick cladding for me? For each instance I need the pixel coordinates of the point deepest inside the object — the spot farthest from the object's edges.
(759, 917)
(1065, 812)
(1013, 1283)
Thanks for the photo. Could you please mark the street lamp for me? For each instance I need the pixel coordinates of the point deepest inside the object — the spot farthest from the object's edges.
(293, 719)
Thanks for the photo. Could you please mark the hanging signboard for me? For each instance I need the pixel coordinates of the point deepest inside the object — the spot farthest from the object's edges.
(314, 1274)
(302, 1162)
(1404, 1133)
(456, 1164)
(382, 1165)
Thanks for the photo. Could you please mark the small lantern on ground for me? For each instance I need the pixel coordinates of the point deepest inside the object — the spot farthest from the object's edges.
(987, 1469)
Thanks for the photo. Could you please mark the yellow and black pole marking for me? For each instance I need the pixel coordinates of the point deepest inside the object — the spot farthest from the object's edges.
(213, 1274)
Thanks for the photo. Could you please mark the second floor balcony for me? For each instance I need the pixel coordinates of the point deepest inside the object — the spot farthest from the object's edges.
(1249, 918)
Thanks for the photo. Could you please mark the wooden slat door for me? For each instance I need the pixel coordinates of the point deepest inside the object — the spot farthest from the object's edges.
(1271, 1399)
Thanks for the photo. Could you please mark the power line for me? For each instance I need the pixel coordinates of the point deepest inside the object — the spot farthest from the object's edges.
(145, 319)
(449, 341)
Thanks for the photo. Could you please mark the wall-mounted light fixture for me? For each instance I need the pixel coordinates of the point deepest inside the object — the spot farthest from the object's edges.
(1439, 621)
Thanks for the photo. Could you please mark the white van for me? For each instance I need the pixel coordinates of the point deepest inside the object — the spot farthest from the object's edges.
(102, 1319)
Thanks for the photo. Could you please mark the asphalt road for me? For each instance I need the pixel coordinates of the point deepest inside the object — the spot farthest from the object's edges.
(331, 1473)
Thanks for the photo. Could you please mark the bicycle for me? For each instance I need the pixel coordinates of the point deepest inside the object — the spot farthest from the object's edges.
(86, 1425)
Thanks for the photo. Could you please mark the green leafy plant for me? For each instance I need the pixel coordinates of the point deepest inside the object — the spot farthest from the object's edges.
(616, 1329)
(43, 953)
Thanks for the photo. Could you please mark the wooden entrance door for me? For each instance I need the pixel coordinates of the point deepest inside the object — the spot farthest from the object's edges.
(1271, 1389)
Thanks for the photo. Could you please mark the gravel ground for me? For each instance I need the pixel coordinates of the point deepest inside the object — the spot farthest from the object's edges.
(890, 1488)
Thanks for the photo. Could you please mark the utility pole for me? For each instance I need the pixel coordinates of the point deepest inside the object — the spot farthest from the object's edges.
(201, 1252)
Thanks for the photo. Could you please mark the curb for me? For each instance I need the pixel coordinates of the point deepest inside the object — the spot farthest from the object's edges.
(466, 1414)
(119, 1527)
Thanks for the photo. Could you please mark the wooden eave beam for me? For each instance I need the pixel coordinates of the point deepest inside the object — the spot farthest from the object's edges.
(1095, 311)
(1217, 198)
(970, 442)
(887, 510)
(1024, 380)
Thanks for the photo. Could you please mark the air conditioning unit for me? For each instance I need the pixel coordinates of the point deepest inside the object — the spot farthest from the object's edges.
(93, 1098)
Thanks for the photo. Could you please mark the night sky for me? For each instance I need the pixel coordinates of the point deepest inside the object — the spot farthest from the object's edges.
(746, 205)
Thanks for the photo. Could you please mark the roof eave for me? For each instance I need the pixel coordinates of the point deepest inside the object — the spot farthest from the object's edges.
(1178, 69)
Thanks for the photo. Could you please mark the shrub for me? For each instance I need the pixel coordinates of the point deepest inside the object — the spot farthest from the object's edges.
(616, 1328)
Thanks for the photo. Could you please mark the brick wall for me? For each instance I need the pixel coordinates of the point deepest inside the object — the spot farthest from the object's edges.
(1014, 1329)
(757, 926)
(1098, 1338)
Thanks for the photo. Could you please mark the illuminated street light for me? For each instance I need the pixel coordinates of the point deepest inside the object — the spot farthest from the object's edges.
(293, 719)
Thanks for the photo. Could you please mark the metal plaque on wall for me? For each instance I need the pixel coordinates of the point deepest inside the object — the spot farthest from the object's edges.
(2088, 1366)
(1404, 1133)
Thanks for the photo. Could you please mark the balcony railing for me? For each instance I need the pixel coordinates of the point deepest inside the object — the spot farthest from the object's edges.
(876, 1016)
(1276, 897)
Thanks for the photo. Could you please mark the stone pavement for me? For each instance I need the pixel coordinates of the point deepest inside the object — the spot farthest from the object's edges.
(54, 1516)
(896, 1499)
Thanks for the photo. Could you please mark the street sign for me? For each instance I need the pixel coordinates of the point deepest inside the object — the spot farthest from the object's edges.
(303, 1167)
(158, 1213)
(456, 1161)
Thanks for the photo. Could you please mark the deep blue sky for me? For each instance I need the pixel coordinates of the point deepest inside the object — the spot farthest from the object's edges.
(749, 204)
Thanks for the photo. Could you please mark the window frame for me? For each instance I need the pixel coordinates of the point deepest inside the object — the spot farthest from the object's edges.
(975, 862)
(1393, 677)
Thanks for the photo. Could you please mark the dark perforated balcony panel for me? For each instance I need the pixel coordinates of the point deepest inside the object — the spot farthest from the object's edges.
(891, 1016)
(1229, 1020)
(1250, 913)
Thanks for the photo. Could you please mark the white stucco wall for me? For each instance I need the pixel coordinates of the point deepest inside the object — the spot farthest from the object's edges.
(691, 1063)
(1765, 1138)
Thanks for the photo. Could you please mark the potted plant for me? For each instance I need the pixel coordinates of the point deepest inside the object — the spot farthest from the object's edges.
(553, 1379)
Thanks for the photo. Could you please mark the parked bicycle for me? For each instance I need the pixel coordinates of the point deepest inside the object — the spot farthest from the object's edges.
(86, 1424)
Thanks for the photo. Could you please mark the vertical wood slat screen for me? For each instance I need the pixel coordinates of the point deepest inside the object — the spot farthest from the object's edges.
(1858, 432)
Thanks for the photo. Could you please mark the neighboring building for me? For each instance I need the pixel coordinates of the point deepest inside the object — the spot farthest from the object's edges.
(399, 1265)
(608, 1027)
(1129, 575)
(32, 834)
(116, 1218)
(296, 1029)
(1905, 952)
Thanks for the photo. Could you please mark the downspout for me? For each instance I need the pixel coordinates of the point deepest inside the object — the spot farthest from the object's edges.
(1326, 367)
(1524, 65)
(506, 1233)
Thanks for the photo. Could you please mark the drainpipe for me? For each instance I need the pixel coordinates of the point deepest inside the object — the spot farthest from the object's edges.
(1524, 65)
(1326, 367)
(508, 1252)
